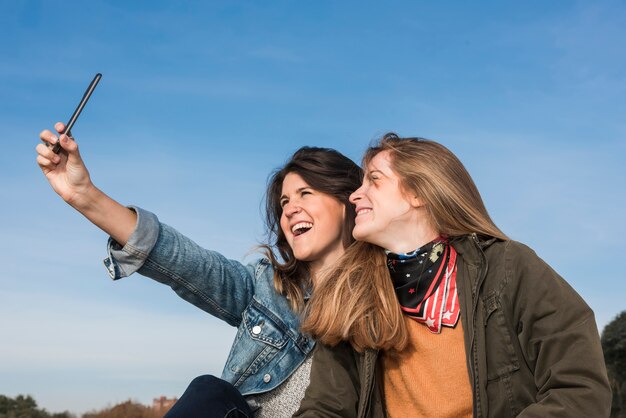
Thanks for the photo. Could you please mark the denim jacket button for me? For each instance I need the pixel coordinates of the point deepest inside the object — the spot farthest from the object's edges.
(267, 378)
(256, 330)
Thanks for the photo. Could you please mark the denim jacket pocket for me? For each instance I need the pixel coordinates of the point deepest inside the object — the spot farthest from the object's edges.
(260, 337)
(264, 326)
(501, 357)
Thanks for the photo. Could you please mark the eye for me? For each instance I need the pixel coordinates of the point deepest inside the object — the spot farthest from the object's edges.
(305, 192)
(283, 202)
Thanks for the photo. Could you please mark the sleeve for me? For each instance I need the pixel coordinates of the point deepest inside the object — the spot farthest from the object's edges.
(560, 341)
(205, 278)
(334, 388)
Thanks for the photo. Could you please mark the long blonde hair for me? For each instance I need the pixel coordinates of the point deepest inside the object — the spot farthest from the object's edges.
(356, 301)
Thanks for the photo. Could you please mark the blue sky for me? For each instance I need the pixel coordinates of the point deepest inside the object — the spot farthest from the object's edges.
(199, 101)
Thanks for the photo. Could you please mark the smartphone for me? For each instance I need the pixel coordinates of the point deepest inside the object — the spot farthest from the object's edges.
(68, 127)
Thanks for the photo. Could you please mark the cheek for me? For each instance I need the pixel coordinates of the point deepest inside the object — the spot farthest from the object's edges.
(389, 206)
(284, 225)
(337, 217)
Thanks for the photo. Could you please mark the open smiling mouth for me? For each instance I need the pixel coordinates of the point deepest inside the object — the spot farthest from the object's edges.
(301, 228)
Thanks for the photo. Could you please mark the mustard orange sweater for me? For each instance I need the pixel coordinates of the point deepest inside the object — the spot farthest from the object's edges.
(429, 378)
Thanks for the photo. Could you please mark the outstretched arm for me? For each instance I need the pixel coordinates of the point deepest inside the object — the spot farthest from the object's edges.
(70, 179)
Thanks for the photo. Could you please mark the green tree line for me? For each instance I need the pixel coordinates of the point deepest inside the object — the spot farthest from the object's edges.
(614, 348)
(26, 407)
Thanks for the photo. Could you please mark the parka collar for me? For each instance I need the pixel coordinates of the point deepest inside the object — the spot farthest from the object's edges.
(470, 246)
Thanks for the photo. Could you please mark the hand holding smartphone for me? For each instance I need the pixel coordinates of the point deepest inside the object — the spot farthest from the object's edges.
(68, 127)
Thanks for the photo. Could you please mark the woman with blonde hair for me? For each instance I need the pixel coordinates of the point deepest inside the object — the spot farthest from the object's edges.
(436, 313)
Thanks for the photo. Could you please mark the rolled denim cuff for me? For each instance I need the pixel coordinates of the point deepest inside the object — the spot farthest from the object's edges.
(124, 261)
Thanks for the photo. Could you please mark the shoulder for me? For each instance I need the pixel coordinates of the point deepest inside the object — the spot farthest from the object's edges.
(262, 265)
(259, 268)
(514, 268)
(513, 260)
(513, 257)
(511, 249)
(527, 276)
(265, 292)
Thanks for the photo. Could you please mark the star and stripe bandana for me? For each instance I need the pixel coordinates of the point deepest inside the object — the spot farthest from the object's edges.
(425, 283)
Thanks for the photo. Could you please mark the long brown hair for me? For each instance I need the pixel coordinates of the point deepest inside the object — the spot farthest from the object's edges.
(325, 170)
(356, 301)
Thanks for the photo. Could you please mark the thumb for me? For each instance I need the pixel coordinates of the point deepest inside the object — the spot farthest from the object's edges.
(70, 146)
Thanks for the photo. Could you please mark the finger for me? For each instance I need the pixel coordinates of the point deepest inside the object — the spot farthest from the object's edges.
(45, 163)
(46, 152)
(60, 127)
(48, 137)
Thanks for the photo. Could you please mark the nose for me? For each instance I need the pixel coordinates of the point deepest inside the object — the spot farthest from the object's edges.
(291, 209)
(357, 195)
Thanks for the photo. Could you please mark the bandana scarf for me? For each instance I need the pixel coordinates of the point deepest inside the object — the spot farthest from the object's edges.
(425, 283)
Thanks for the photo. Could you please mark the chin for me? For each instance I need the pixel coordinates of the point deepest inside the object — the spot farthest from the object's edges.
(301, 256)
(359, 234)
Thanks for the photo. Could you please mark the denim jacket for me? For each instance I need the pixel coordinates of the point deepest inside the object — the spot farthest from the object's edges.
(268, 346)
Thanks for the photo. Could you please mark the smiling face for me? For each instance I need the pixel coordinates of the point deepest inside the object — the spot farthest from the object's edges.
(312, 222)
(386, 215)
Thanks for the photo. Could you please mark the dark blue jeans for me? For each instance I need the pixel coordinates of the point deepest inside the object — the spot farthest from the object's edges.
(210, 397)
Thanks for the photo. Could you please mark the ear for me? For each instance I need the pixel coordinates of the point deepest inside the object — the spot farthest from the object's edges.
(416, 202)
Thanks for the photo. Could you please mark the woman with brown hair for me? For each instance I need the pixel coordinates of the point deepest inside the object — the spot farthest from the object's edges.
(436, 313)
(309, 222)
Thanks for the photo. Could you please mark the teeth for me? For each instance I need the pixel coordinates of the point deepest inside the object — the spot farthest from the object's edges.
(363, 211)
(301, 225)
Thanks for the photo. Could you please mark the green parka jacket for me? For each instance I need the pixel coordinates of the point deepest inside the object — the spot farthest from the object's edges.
(532, 345)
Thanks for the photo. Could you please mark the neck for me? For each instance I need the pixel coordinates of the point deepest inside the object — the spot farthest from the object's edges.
(318, 268)
(408, 237)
